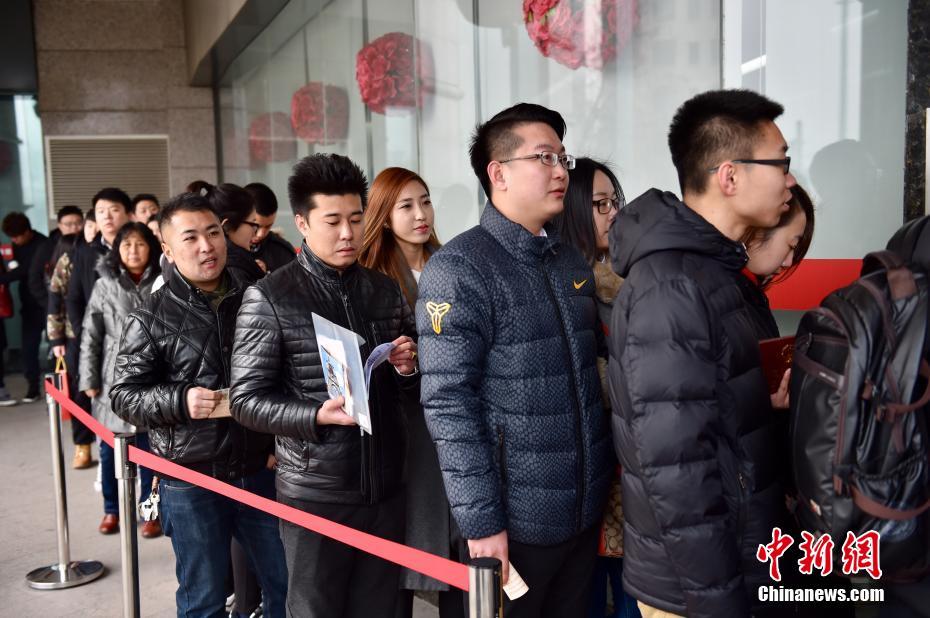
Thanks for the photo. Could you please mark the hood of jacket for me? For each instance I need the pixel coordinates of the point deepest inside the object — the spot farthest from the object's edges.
(659, 221)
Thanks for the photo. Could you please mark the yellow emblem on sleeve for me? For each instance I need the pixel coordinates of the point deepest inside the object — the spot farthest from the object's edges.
(577, 284)
(436, 311)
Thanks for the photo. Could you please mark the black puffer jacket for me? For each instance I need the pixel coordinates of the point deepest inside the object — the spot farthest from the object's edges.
(275, 252)
(511, 392)
(84, 275)
(241, 263)
(174, 342)
(692, 420)
(278, 382)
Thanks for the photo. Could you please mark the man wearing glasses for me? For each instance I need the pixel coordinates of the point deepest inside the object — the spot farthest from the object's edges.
(508, 332)
(692, 420)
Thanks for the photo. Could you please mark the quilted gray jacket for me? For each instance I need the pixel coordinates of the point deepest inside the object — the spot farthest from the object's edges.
(114, 295)
(508, 346)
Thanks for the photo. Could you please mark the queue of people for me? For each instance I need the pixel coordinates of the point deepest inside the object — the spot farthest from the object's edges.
(574, 386)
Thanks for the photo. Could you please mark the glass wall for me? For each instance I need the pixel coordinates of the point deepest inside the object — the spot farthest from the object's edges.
(403, 82)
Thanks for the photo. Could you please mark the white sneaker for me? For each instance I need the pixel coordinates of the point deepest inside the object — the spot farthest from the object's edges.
(6, 399)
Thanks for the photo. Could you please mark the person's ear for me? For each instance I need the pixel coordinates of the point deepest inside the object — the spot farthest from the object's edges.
(303, 224)
(167, 251)
(727, 179)
(495, 171)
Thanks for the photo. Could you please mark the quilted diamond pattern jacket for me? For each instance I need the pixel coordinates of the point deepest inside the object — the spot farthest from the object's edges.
(692, 420)
(173, 342)
(508, 346)
(278, 382)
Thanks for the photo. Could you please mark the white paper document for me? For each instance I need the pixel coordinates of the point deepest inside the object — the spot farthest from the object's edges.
(343, 370)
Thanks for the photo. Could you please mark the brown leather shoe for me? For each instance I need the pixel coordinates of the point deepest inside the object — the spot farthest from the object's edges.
(82, 457)
(109, 524)
(151, 529)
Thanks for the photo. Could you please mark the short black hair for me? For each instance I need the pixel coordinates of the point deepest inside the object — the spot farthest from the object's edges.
(266, 204)
(15, 224)
(114, 261)
(68, 210)
(232, 204)
(184, 202)
(144, 197)
(575, 224)
(715, 126)
(324, 174)
(495, 139)
(91, 215)
(112, 194)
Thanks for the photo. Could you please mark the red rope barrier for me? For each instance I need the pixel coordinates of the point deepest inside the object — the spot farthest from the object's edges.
(442, 569)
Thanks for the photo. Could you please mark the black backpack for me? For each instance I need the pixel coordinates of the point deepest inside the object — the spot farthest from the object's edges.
(860, 411)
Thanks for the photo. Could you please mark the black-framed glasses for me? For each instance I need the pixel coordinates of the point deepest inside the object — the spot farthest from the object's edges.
(604, 206)
(785, 163)
(255, 226)
(548, 158)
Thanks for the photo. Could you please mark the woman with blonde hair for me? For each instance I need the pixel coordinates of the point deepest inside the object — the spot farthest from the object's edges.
(399, 239)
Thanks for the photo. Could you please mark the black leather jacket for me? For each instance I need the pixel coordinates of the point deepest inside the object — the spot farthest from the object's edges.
(174, 342)
(278, 382)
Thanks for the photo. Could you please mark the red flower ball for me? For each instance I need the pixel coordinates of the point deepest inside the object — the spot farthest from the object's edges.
(320, 113)
(394, 70)
(271, 138)
(580, 32)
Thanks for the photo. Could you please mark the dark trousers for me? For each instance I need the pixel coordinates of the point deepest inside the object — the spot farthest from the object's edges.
(327, 579)
(558, 577)
(201, 525)
(80, 434)
(33, 325)
(110, 488)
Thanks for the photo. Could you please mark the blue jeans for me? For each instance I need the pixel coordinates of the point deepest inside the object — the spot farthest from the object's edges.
(610, 570)
(108, 476)
(201, 525)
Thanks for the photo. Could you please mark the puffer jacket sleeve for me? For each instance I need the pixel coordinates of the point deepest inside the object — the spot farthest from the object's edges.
(670, 366)
(140, 394)
(257, 398)
(455, 329)
(92, 334)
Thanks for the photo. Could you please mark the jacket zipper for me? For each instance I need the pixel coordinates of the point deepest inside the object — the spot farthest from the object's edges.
(369, 490)
(576, 403)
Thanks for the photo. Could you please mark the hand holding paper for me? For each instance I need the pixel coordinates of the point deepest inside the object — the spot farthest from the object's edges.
(333, 412)
(404, 355)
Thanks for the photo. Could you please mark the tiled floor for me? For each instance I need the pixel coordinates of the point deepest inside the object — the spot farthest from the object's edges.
(27, 529)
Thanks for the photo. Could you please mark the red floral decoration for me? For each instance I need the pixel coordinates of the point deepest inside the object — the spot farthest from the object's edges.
(271, 138)
(394, 70)
(320, 113)
(580, 32)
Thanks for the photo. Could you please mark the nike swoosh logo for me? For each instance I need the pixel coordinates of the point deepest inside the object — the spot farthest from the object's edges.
(579, 285)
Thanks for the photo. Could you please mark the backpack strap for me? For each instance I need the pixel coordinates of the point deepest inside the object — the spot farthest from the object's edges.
(876, 509)
(900, 278)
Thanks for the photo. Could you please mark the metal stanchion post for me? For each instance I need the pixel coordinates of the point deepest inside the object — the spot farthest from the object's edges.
(129, 542)
(485, 589)
(64, 574)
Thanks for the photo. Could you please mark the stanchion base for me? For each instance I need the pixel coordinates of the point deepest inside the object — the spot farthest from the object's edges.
(58, 576)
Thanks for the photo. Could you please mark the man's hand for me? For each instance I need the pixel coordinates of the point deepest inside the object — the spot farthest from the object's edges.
(58, 351)
(272, 462)
(780, 397)
(494, 546)
(404, 355)
(201, 402)
(92, 392)
(332, 412)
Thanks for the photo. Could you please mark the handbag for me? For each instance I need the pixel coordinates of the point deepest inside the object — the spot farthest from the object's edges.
(6, 301)
(61, 369)
(611, 540)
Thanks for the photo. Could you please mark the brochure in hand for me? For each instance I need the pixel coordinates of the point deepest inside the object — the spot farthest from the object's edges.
(343, 370)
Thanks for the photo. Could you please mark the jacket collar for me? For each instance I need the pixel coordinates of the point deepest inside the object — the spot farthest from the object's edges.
(516, 239)
(318, 268)
(181, 288)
